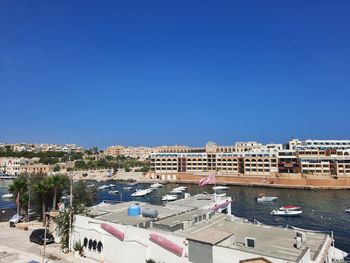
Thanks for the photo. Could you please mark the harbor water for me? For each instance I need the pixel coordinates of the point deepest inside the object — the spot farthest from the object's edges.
(323, 210)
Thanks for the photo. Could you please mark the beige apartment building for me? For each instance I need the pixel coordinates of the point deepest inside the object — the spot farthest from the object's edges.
(316, 157)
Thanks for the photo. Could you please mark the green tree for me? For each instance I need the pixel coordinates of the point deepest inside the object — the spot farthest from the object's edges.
(57, 183)
(20, 186)
(42, 191)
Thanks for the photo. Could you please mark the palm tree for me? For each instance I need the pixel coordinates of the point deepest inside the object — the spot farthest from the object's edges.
(42, 190)
(57, 183)
(19, 187)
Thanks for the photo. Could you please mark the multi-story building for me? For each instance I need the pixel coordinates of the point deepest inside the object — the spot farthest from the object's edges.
(11, 165)
(317, 157)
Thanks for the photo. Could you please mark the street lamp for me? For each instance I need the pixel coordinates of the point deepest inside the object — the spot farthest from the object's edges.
(70, 211)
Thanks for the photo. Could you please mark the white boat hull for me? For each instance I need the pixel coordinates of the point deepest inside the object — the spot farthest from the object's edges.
(266, 199)
(286, 213)
(220, 187)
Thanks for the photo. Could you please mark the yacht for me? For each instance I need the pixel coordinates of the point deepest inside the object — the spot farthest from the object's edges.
(290, 207)
(127, 188)
(113, 192)
(347, 210)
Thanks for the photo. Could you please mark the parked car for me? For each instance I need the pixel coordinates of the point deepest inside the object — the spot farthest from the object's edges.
(38, 236)
(15, 219)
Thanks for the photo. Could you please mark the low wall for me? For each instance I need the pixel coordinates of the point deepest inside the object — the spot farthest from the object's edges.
(278, 180)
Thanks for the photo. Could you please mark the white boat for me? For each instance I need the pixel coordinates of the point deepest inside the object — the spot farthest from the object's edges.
(127, 188)
(156, 185)
(141, 192)
(111, 185)
(286, 212)
(220, 187)
(7, 196)
(263, 198)
(169, 198)
(177, 192)
(290, 207)
(90, 185)
(103, 187)
(132, 184)
(180, 188)
(347, 210)
(113, 192)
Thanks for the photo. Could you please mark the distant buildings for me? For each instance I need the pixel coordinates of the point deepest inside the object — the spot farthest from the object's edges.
(29, 147)
(318, 157)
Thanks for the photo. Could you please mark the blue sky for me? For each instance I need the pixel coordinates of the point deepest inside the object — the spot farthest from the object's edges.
(173, 72)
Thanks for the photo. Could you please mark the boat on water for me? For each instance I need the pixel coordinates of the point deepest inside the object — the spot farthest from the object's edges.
(113, 192)
(169, 197)
(176, 192)
(286, 212)
(90, 185)
(220, 187)
(290, 207)
(180, 188)
(127, 188)
(6, 196)
(263, 198)
(156, 185)
(141, 192)
(347, 210)
(103, 187)
(132, 184)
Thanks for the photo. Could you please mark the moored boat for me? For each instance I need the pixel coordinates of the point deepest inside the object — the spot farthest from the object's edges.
(169, 197)
(5, 196)
(113, 192)
(156, 185)
(141, 192)
(286, 212)
(127, 188)
(290, 207)
(263, 198)
(220, 187)
(103, 187)
(347, 210)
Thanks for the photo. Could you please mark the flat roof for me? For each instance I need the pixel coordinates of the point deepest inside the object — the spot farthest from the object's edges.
(269, 240)
(210, 235)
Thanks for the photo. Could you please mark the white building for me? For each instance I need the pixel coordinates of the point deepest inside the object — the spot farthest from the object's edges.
(191, 230)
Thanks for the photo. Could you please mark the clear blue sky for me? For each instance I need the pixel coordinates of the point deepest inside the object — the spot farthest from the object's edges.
(173, 72)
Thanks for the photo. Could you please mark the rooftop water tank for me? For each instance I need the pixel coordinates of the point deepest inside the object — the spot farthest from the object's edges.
(153, 213)
(134, 210)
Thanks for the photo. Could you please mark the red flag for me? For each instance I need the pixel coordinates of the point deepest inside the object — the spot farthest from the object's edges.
(17, 199)
(210, 179)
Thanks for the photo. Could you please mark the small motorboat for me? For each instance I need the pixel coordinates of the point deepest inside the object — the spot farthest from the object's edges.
(289, 207)
(103, 187)
(7, 196)
(113, 192)
(141, 192)
(127, 188)
(156, 185)
(220, 187)
(286, 212)
(132, 184)
(169, 197)
(180, 188)
(111, 185)
(347, 210)
(263, 198)
(176, 192)
(90, 185)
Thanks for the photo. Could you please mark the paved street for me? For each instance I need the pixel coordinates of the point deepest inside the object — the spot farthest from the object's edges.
(15, 247)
